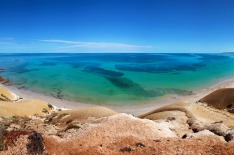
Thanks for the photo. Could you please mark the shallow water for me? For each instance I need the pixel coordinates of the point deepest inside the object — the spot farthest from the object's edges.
(115, 78)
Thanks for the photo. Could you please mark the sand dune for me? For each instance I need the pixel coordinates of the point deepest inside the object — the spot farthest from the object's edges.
(81, 114)
(12, 105)
(221, 99)
(165, 115)
(198, 111)
(24, 108)
(6, 95)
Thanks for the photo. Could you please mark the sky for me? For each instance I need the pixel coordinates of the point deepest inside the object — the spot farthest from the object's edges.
(67, 26)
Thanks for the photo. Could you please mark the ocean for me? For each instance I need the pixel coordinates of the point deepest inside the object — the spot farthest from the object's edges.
(115, 78)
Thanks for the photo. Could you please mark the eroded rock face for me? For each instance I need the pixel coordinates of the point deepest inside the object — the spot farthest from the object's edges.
(179, 128)
(35, 144)
(118, 134)
(206, 145)
(31, 143)
(123, 133)
(2, 135)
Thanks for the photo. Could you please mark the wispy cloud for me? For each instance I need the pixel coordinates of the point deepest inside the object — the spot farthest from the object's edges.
(7, 40)
(73, 45)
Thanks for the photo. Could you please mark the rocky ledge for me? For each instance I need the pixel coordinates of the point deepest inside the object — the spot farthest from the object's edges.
(204, 127)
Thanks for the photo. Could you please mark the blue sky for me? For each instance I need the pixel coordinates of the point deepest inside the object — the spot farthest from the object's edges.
(116, 26)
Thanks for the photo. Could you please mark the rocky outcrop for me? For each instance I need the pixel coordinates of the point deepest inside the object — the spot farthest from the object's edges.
(179, 128)
(5, 81)
(206, 145)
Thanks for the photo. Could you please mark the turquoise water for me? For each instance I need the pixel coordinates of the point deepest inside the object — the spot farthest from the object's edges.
(115, 78)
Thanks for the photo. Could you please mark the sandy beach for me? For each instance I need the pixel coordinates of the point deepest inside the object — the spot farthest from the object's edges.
(199, 123)
(129, 109)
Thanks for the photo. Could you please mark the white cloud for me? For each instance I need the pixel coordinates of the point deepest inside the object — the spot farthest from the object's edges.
(7, 40)
(76, 45)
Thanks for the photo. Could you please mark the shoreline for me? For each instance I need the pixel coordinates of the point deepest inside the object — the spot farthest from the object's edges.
(129, 109)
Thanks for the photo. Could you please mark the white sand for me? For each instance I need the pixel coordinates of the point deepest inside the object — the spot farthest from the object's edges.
(130, 109)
